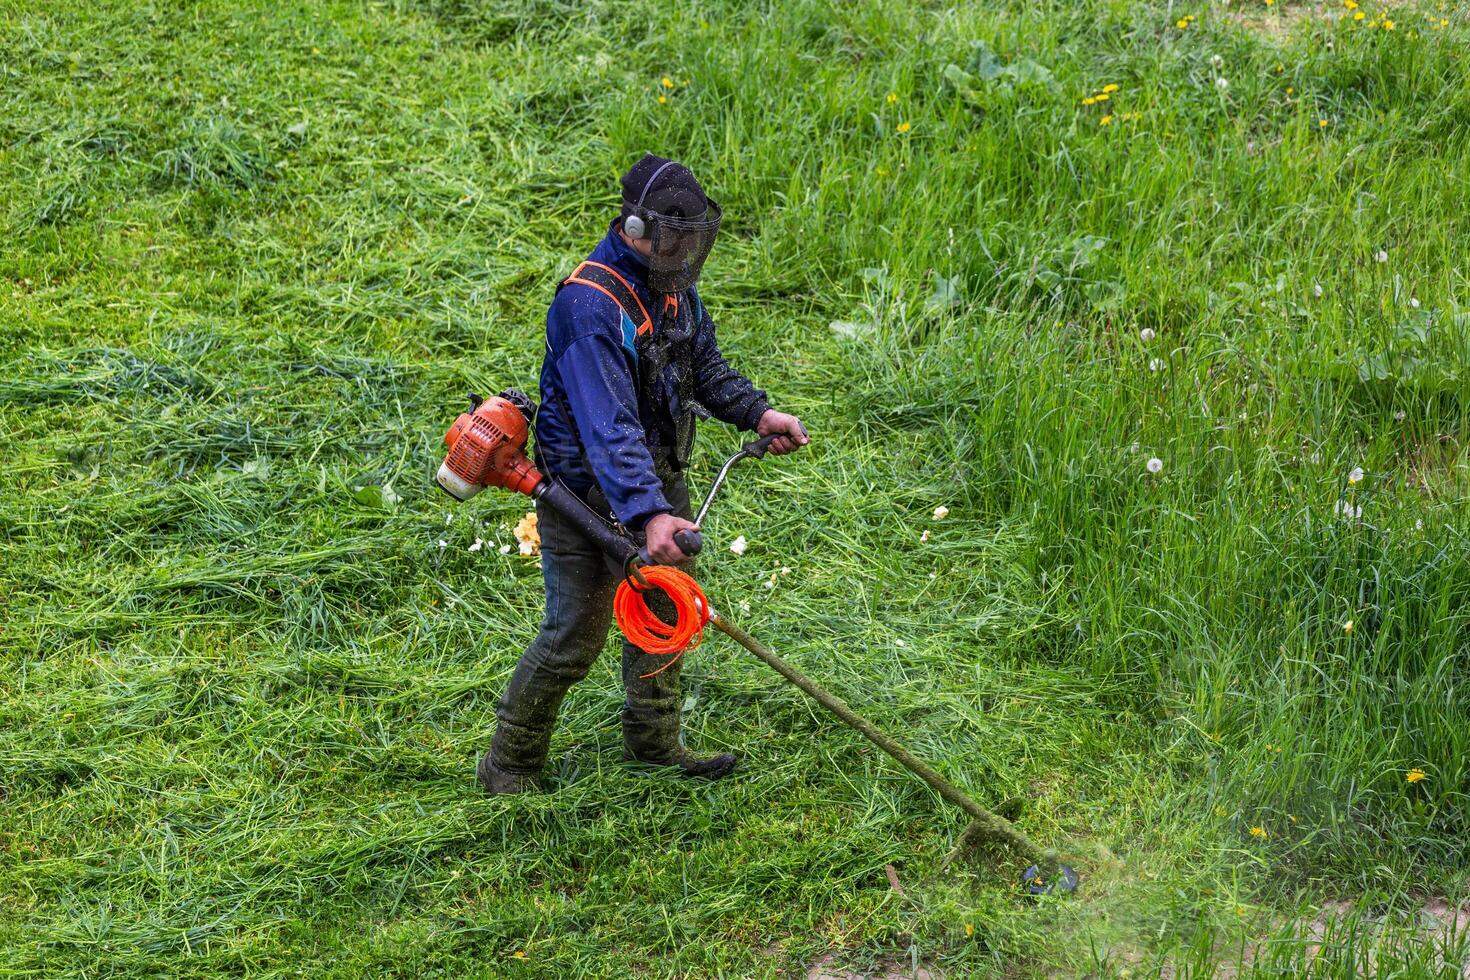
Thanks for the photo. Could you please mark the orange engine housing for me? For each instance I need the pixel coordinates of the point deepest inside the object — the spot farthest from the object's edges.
(487, 447)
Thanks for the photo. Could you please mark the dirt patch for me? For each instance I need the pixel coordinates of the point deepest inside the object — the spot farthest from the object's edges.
(827, 968)
(1279, 21)
(1437, 923)
(1451, 920)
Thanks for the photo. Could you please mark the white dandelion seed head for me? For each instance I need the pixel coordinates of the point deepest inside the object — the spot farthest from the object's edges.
(739, 545)
(941, 512)
(1356, 476)
(933, 576)
(899, 643)
(1419, 524)
(443, 544)
(1414, 302)
(1154, 364)
(1155, 465)
(1216, 60)
(1382, 255)
(1222, 83)
(505, 549)
(1317, 289)
(769, 583)
(785, 569)
(479, 543)
(1146, 334)
(1400, 415)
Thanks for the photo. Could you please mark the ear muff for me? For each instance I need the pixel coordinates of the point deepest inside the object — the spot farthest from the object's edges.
(634, 224)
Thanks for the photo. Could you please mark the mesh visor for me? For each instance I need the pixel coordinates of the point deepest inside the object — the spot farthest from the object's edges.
(679, 248)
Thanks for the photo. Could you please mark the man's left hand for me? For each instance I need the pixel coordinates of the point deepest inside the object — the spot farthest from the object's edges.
(792, 434)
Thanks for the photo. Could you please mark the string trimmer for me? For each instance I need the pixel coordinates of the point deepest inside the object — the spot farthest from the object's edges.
(486, 447)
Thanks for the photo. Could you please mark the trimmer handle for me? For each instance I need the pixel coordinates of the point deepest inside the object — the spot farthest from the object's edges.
(689, 541)
(758, 448)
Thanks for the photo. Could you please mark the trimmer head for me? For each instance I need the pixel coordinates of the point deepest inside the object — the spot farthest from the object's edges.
(1036, 882)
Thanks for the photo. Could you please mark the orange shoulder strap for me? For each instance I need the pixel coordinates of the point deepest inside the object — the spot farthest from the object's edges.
(606, 280)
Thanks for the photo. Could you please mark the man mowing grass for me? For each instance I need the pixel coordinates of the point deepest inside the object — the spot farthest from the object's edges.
(631, 360)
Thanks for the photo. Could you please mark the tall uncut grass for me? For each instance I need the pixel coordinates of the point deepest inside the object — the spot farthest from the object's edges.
(253, 254)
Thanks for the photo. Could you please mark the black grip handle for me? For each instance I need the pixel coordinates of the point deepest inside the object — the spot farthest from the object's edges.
(689, 541)
(757, 449)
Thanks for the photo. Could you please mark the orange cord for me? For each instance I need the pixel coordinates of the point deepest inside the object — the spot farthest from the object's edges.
(642, 626)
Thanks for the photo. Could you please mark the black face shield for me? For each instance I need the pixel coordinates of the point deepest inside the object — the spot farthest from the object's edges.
(664, 204)
(679, 248)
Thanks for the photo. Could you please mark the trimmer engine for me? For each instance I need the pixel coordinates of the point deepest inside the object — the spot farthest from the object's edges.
(487, 447)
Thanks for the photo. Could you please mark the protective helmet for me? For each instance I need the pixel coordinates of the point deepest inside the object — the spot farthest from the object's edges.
(665, 204)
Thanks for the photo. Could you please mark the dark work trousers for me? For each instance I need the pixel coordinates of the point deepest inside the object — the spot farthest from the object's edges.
(580, 582)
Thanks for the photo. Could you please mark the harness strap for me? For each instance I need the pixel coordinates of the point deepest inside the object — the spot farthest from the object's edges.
(606, 280)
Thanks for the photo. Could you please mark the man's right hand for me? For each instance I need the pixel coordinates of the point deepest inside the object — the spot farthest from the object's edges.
(661, 529)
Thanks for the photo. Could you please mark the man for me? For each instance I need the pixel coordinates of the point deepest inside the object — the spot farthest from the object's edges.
(630, 360)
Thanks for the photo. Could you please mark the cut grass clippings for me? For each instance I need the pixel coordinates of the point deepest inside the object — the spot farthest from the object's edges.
(1186, 364)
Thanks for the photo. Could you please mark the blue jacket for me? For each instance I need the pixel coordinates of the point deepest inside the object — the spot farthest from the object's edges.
(590, 369)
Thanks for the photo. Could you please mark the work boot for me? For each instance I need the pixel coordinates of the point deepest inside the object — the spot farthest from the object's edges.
(516, 758)
(499, 782)
(651, 736)
(690, 765)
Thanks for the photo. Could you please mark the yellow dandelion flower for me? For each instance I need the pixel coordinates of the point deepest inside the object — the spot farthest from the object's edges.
(1350, 4)
(1109, 88)
(1290, 90)
(904, 127)
(663, 100)
(1359, 15)
(892, 98)
(1348, 626)
(1089, 101)
(1414, 775)
(1182, 24)
(1258, 832)
(666, 82)
(1388, 25)
(1106, 120)
(881, 171)
(1270, 3)
(519, 954)
(1103, 96)
(1321, 123)
(1443, 22)
(969, 929)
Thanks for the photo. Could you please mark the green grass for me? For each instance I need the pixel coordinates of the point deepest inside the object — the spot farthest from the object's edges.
(253, 254)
